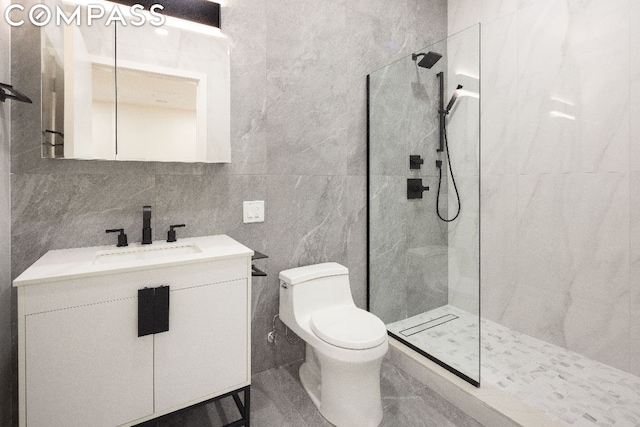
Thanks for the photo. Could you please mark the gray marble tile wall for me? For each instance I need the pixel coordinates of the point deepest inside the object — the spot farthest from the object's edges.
(298, 142)
(6, 364)
(408, 242)
(560, 164)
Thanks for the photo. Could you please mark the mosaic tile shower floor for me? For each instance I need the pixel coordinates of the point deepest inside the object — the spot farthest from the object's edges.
(568, 387)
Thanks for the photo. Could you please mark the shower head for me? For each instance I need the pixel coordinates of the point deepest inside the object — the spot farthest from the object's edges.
(453, 99)
(429, 59)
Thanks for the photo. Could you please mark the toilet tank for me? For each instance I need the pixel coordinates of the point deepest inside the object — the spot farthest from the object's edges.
(304, 290)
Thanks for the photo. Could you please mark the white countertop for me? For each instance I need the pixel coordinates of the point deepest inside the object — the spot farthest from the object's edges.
(65, 264)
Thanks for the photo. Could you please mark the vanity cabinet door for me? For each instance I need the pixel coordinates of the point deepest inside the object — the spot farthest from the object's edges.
(205, 352)
(86, 366)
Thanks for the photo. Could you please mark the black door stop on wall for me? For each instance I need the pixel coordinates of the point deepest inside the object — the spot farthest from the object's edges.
(13, 94)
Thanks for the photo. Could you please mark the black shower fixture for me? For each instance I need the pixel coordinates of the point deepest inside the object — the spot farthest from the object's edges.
(429, 59)
(452, 100)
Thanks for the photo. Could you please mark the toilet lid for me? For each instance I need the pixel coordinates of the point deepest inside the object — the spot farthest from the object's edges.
(349, 327)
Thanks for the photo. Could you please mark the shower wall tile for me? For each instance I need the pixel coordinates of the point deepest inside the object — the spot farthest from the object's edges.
(634, 92)
(408, 265)
(542, 30)
(499, 97)
(395, 29)
(389, 110)
(426, 23)
(572, 249)
(558, 84)
(573, 234)
(424, 228)
(463, 130)
(634, 342)
(404, 118)
(426, 257)
(422, 129)
(462, 14)
(388, 247)
(599, 329)
(427, 279)
(538, 312)
(464, 246)
(499, 243)
(565, 269)
(379, 48)
(634, 242)
(495, 9)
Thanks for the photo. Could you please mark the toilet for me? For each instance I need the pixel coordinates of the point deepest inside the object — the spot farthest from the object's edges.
(344, 344)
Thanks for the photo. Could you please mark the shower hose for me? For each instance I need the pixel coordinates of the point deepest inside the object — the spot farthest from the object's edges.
(453, 179)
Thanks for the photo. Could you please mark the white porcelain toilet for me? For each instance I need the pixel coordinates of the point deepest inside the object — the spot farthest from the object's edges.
(344, 344)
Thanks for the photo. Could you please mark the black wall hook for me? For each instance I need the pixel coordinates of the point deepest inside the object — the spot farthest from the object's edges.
(14, 94)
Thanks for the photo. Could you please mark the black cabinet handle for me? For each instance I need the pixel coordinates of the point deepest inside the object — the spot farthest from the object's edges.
(161, 310)
(153, 310)
(145, 311)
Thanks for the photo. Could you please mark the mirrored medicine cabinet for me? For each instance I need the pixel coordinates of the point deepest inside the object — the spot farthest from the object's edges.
(136, 93)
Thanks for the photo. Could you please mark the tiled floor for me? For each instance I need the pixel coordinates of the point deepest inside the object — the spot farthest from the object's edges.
(566, 386)
(278, 400)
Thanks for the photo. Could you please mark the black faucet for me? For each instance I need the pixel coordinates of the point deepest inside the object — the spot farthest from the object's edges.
(146, 225)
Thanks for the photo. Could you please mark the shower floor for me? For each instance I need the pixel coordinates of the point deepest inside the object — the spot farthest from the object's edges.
(566, 386)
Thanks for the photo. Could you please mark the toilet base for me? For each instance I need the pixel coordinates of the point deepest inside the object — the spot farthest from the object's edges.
(346, 394)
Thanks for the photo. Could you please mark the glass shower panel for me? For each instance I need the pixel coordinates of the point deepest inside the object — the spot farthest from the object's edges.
(424, 131)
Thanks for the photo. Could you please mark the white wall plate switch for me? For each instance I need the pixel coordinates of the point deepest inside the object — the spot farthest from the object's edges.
(253, 211)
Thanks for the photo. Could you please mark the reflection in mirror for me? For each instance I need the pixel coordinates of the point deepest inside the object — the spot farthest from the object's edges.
(160, 108)
(52, 96)
(164, 97)
(70, 55)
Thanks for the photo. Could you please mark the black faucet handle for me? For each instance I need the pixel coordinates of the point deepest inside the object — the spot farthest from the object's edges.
(415, 162)
(171, 235)
(122, 238)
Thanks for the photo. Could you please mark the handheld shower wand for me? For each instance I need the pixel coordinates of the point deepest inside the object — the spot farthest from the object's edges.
(452, 100)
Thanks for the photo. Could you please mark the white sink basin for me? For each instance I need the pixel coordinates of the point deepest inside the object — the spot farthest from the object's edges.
(76, 263)
(144, 253)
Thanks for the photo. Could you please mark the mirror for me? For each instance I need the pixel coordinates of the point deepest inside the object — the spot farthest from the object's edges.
(137, 93)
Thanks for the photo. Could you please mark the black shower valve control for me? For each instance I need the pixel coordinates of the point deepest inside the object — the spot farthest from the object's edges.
(122, 238)
(415, 188)
(171, 234)
(415, 162)
(438, 164)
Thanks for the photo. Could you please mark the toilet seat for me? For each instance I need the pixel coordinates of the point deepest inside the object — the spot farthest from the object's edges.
(348, 327)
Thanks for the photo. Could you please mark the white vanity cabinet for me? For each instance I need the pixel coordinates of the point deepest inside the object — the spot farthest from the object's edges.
(81, 359)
